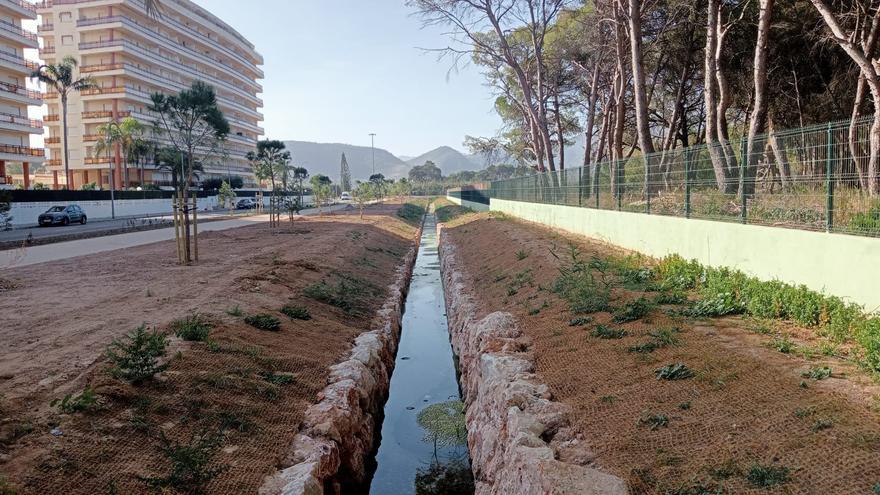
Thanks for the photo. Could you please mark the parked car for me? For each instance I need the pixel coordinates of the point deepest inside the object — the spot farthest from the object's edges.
(246, 204)
(345, 196)
(63, 215)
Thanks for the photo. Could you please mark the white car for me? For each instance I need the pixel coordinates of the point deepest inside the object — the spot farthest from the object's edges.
(345, 196)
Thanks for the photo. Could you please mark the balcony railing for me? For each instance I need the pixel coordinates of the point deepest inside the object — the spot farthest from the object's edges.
(105, 114)
(20, 90)
(47, 50)
(91, 160)
(52, 140)
(5, 179)
(18, 60)
(19, 120)
(16, 29)
(92, 137)
(53, 162)
(45, 27)
(22, 150)
(52, 118)
(25, 5)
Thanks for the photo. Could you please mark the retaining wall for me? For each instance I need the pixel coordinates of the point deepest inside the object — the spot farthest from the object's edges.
(468, 204)
(520, 440)
(837, 264)
(337, 435)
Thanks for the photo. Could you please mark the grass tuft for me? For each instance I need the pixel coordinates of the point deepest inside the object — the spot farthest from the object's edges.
(264, 321)
(632, 311)
(603, 332)
(193, 328)
(86, 400)
(296, 312)
(674, 371)
(764, 476)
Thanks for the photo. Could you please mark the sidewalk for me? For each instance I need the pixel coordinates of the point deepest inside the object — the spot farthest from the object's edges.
(15, 258)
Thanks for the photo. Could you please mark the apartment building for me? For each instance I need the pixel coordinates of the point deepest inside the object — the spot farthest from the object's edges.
(131, 55)
(15, 126)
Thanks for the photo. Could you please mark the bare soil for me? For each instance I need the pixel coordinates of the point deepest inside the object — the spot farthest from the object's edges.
(58, 319)
(747, 404)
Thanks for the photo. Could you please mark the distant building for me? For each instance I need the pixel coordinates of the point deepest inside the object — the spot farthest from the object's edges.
(131, 56)
(15, 126)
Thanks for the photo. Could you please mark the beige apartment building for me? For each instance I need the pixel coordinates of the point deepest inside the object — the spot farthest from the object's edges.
(131, 55)
(15, 126)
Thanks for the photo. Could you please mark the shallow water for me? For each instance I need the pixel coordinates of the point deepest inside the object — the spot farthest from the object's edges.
(433, 455)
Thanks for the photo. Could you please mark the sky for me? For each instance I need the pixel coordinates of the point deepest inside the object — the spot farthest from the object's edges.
(337, 70)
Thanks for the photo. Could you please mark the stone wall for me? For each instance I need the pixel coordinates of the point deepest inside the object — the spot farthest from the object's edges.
(520, 440)
(338, 432)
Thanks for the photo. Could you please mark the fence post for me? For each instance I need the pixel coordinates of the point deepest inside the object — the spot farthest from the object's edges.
(687, 183)
(619, 176)
(743, 159)
(597, 186)
(829, 179)
(647, 185)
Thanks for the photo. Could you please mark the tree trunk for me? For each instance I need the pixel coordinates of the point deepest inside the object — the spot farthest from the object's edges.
(187, 257)
(586, 177)
(643, 128)
(723, 105)
(718, 162)
(69, 179)
(759, 114)
(779, 154)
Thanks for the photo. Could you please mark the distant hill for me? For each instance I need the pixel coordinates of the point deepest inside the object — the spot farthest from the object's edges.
(324, 158)
(448, 159)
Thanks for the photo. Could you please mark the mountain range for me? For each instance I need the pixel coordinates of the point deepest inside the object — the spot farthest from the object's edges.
(325, 158)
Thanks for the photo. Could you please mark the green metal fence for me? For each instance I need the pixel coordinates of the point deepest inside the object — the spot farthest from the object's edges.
(813, 178)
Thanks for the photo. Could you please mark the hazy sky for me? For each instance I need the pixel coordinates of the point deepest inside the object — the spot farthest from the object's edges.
(337, 70)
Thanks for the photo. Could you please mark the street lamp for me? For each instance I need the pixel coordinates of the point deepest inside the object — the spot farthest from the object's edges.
(373, 150)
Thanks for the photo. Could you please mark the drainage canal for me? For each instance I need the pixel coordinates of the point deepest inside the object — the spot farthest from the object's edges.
(424, 439)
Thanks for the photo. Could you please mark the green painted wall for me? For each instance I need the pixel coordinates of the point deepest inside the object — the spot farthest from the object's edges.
(842, 265)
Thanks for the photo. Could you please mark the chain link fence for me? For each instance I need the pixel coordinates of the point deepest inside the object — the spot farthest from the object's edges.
(812, 178)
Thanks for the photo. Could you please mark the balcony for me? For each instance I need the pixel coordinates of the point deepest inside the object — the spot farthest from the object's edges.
(20, 94)
(47, 50)
(17, 62)
(52, 140)
(42, 28)
(15, 32)
(25, 9)
(153, 57)
(52, 118)
(19, 123)
(105, 114)
(21, 153)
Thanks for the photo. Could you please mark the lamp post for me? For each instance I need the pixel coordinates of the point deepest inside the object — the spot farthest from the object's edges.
(373, 150)
(112, 184)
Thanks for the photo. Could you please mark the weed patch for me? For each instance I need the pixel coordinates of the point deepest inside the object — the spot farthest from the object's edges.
(580, 321)
(654, 421)
(632, 311)
(521, 255)
(192, 464)
(264, 321)
(675, 371)
(603, 332)
(347, 293)
(577, 285)
(234, 311)
(671, 297)
(817, 373)
(296, 312)
(764, 476)
(193, 328)
(410, 212)
(86, 400)
(136, 356)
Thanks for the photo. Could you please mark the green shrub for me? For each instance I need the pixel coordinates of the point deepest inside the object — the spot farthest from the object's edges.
(603, 332)
(676, 273)
(577, 285)
(86, 400)
(234, 311)
(263, 321)
(580, 321)
(654, 421)
(633, 310)
(347, 294)
(191, 464)
(817, 373)
(411, 212)
(868, 222)
(296, 312)
(671, 297)
(193, 328)
(674, 371)
(135, 357)
(763, 476)
(868, 336)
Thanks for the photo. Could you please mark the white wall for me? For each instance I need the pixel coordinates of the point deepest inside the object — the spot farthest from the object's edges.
(843, 265)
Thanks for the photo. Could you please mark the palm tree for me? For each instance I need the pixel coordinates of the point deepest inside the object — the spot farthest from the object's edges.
(111, 136)
(153, 7)
(60, 77)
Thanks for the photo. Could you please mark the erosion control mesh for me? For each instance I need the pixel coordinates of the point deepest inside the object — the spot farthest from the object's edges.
(229, 406)
(675, 405)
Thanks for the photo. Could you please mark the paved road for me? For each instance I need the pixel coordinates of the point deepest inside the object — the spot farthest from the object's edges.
(62, 250)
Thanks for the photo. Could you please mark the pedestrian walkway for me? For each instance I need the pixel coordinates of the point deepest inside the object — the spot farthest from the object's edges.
(15, 258)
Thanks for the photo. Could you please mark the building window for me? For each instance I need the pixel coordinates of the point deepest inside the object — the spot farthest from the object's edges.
(65, 17)
(67, 40)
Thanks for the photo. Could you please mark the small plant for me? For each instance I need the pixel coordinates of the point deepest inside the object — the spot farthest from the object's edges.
(671, 297)
(191, 464)
(684, 406)
(521, 255)
(6, 488)
(817, 373)
(675, 371)
(633, 310)
(534, 311)
(346, 294)
(234, 311)
(296, 312)
(236, 422)
(763, 476)
(264, 321)
(608, 399)
(276, 378)
(783, 344)
(821, 424)
(603, 332)
(654, 421)
(580, 321)
(803, 412)
(877, 488)
(660, 338)
(213, 346)
(577, 285)
(136, 357)
(86, 400)
(193, 328)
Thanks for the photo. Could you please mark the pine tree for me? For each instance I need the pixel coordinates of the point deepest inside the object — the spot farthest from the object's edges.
(344, 175)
